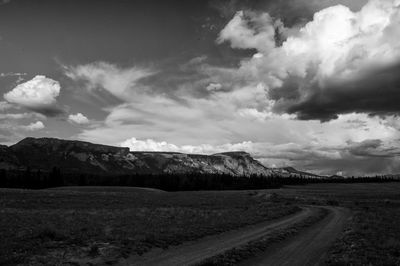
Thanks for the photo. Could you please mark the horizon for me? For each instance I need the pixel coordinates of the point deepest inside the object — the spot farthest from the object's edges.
(305, 171)
(312, 85)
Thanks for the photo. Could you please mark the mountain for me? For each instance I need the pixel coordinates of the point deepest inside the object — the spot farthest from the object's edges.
(84, 157)
(291, 172)
(8, 160)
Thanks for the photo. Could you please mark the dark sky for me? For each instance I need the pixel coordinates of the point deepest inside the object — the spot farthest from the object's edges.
(38, 32)
(311, 84)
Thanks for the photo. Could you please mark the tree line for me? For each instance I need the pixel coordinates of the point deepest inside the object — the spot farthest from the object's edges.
(38, 179)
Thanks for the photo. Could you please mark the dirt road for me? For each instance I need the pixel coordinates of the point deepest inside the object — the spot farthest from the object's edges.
(307, 248)
(300, 249)
(195, 252)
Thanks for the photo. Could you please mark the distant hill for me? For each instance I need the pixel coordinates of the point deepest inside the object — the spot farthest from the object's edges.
(291, 172)
(50, 162)
(84, 157)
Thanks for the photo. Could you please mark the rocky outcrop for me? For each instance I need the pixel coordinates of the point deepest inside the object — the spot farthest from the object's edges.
(85, 157)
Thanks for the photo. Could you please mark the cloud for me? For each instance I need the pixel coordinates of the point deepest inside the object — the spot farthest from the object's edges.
(186, 119)
(5, 105)
(148, 145)
(4, 2)
(292, 12)
(368, 157)
(223, 120)
(119, 82)
(78, 118)
(214, 87)
(38, 94)
(12, 74)
(151, 145)
(18, 116)
(339, 56)
(34, 126)
(259, 36)
(373, 148)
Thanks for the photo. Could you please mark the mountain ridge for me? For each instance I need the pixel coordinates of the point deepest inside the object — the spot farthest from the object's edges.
(85, 157)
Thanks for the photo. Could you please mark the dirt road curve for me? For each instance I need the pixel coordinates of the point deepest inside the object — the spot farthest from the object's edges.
(195, 252)
(309, 247)
(305, 249)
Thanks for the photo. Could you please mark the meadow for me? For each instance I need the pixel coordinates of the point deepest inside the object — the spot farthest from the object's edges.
(372, 236)
(75, 225)
(67, 225)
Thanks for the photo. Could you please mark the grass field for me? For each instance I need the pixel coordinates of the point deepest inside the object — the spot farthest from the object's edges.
(372, 237)
(67, 225)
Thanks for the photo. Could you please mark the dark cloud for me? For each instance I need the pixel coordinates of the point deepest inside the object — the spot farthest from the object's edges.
(377, 93)
(4, 2)
(49, 111)
(354, 166)
(291, 12)
(371, 148)
(368, 157)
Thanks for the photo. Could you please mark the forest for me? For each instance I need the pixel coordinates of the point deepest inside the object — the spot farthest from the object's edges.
(39, 179)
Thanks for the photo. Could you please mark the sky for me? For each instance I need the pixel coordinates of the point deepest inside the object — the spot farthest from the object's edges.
(312, 84)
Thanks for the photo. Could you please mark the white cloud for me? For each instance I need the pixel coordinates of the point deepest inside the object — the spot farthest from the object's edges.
(18, 116)
(12, 74)
(5, 105)
(118, 81)
(253, 113)
(148, 145)
(337, 42)
(260, 36)
(337, 47)
(214, 87)
(37, 94)
(78, 118)
(34, 126)
(151, 145)
(188, 120)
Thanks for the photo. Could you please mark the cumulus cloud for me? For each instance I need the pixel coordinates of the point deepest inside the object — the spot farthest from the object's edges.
(151, 145)
(339, 56)
(78, 118)
(5, 105)
(214, 87)
(34, 126)
(119, 82)
(38, 94)
(148, 145)
(341, 64)
(259, 36)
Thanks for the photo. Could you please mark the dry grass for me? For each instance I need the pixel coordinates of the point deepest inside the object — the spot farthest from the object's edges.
(372, 237)
(50, 227)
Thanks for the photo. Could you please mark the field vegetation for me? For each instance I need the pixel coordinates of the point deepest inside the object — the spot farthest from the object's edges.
(372, 236)
(103, 224)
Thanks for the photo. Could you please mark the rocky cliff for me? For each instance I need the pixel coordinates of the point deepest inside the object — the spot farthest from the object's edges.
(85, 157)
